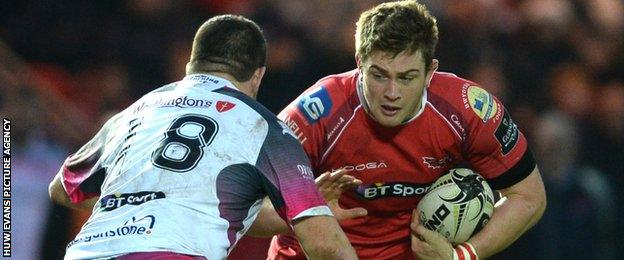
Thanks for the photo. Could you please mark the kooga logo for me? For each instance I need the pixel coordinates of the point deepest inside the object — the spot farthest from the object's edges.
(114, 201)
(364, 166)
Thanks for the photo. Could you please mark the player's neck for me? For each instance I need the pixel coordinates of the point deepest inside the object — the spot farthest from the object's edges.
(244, 87)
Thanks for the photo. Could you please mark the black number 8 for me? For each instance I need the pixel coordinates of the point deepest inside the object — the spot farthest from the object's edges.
(181, 149)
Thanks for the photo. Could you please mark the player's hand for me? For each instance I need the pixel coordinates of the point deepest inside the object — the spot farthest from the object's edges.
(331, 185)
(428, 244)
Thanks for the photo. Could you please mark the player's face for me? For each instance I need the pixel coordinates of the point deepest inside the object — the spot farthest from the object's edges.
(393, 87)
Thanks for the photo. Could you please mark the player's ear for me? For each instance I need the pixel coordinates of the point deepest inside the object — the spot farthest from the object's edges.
(256, 78)
(188, 67)
(432, 68)
(260, 72)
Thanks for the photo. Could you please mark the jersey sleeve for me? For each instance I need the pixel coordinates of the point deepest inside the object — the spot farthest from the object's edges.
(82, 173)
(496, 148)
(291, 188)
(310, 113)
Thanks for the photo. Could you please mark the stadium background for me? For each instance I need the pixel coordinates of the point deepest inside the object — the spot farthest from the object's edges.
(557, 64)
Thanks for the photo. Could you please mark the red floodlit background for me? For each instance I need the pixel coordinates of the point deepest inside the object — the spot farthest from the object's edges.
(558, 65)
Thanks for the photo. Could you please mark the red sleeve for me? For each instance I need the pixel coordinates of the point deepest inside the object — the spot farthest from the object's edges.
(310, 136)
(307, 115)
(495, 147)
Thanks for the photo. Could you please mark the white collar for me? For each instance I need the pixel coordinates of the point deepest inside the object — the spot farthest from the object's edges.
(212, 80)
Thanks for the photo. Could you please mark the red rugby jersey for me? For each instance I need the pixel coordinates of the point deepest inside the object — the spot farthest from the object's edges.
(460, 124)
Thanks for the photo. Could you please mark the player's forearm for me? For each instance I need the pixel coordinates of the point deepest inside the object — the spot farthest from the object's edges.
(508, 223)
(338, 251)
(268, 222)
(322, 238)
(519, 212)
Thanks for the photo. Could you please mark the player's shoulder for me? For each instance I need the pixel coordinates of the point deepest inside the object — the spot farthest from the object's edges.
(448, 85)
(167, 87)
(335, 85)
(344, 79)
(463, 102)
(445, 90)
(244, 106)
(328, 94)
(462, 95)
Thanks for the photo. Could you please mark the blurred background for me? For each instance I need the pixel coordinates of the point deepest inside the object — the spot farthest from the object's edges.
(558, 65)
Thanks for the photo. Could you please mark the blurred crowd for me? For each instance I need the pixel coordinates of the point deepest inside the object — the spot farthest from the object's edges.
(558, 65)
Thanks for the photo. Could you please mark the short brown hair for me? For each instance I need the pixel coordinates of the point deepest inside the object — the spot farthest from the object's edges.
(230, 44)
(396, 27)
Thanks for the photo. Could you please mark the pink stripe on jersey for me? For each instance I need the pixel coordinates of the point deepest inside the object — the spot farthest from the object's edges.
(72, 181)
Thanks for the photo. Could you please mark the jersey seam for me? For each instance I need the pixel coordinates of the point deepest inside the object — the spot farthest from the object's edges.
(446, 121)
(331, 146)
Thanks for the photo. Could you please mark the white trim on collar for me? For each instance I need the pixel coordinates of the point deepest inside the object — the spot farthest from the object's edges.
(213, 80)
(423, 103)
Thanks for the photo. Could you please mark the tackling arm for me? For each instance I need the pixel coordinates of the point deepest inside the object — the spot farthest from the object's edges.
(78, 164)
(524, 205)
(332, 244)
(330, 185)
(268, 222)
(59, 195)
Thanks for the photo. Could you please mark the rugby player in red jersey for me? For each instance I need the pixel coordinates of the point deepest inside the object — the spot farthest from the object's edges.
(397, 124)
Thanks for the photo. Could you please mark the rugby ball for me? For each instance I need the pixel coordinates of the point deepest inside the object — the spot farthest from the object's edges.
(457, 205)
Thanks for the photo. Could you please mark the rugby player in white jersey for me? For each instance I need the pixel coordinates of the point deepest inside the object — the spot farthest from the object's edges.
(182, 172)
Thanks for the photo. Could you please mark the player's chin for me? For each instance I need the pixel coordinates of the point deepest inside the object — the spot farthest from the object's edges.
(388, 120)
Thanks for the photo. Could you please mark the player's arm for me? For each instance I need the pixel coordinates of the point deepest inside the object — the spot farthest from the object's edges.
(331, 186)
(307, 124)
(288, 181)
(76, 185)
(59, 195)
(499, 151)
(524, 205)
(322, 238)
(268, 223)
(309, 132)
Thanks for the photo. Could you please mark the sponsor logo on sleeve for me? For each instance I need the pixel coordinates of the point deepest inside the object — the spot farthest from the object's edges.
(507, 133)
(459, 125)
(306, 172)
(296, 130)
(117, 200)
(341, 120)
(286, 129)
(482, 103)
(315, 104)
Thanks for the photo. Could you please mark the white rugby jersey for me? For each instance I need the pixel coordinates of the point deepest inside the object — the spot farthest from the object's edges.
(184, 169)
